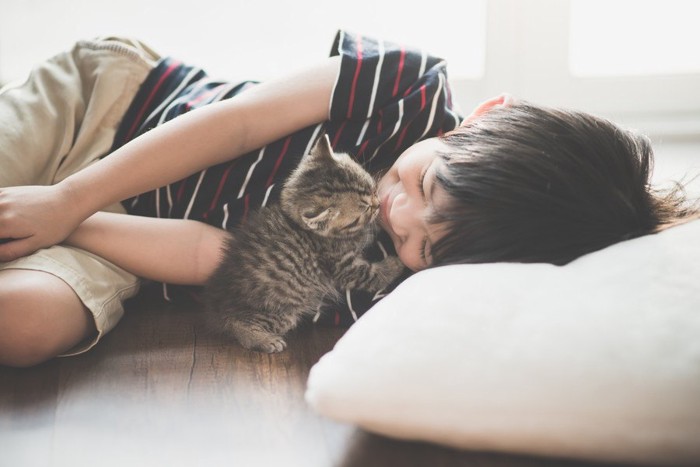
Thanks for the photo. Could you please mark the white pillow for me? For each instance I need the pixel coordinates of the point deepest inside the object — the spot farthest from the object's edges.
(599, 359)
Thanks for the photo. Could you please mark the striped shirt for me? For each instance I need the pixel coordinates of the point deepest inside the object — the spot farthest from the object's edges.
(386, 98)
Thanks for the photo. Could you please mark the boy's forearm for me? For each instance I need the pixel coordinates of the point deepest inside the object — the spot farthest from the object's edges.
(163, 155)
(205, 137)
(167, 250)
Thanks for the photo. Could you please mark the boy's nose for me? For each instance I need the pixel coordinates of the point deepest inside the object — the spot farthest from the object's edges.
(402, 215)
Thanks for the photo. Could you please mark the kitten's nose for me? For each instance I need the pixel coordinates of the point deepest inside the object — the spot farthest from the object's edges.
(375, 202)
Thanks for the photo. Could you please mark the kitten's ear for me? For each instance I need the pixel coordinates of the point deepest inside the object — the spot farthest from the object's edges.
(317, 221)
(322, 149)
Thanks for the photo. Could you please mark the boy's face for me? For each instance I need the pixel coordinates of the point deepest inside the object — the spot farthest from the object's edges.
(408, 194)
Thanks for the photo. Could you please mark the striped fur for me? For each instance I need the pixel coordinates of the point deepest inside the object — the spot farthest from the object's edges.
(292, 257)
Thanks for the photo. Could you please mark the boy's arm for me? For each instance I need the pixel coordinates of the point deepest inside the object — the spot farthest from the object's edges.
(175, 251)
(35, 217)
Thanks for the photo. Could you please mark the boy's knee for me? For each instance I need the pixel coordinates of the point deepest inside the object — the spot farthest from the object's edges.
(36, 322)
(24, 340)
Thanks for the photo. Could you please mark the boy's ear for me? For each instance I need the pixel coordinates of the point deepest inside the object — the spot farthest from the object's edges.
(322, 149)
(503, 100)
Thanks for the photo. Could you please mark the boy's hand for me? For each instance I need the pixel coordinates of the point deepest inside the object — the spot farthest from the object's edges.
(34, 217)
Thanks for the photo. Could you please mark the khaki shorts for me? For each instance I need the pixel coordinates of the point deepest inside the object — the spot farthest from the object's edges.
(61, 119)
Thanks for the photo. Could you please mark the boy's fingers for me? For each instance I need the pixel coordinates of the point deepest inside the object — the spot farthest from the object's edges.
(11, 249)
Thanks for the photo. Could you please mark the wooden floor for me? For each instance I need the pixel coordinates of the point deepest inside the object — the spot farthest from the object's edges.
(158, 391)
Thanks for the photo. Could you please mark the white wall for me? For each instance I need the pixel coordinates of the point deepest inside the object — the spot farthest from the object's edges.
(520, 46)
(250, 38)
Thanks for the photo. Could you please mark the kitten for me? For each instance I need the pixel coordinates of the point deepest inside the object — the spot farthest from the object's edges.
(292, 257)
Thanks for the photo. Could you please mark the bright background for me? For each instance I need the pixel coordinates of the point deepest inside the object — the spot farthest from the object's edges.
(636, 61)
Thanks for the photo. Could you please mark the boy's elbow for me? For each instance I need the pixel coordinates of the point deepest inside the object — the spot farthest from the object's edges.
(209, 251)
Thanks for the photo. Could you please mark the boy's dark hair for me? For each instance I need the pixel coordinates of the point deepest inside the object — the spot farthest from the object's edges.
(533, 184)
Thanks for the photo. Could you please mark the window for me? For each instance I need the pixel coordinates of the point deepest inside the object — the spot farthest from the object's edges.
(559, 52)
(633, 37)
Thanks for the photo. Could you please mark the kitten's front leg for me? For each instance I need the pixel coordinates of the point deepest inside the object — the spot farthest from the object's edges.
(254, 334)
(253, 338)
(371, 277)
(388, 270)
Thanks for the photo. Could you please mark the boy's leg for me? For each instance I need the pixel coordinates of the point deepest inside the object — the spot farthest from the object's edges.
(61, 119)
(65, 115)
(40, 317)
(100, 287)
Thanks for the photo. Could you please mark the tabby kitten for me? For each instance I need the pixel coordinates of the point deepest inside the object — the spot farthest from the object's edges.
(292, 257)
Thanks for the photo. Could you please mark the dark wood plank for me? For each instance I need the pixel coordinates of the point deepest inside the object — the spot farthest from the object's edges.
(160, 390)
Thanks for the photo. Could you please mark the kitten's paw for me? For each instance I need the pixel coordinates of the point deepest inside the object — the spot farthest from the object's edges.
(262, 342)
(256, 338)
(394, 266)
(390, 268)
(273, 345)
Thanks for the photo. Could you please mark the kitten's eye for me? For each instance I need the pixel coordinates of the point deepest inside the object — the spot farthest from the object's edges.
(352, 224)
(312, 214)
